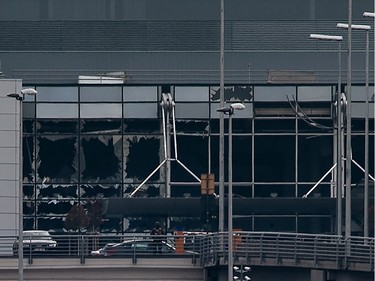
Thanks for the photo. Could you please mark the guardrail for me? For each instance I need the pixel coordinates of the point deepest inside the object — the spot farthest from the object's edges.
(93, 246)
(252, 248)
(291, 249)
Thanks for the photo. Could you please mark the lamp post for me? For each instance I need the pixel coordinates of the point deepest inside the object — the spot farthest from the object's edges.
(20, 97)
(366, 231)
(230, 111)
(221, 137)
(366, 28)
(339, 127)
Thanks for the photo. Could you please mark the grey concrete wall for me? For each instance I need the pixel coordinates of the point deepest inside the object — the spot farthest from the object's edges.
(20, 10)
(51, 41)
(9, 157)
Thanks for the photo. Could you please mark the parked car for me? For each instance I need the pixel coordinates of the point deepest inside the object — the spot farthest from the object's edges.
(140, 246)
(35, 241)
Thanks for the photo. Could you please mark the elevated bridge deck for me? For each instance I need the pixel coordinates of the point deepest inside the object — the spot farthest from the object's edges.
(193, 258)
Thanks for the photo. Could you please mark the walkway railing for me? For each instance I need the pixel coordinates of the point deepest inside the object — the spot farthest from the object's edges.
(291, 249)
(249, 248)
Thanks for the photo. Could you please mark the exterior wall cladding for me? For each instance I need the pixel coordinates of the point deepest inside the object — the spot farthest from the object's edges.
(89, 141)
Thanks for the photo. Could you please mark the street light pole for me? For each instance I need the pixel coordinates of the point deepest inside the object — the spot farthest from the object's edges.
(339, 128)
(221, 137)
(20, 98)
(348, 182)
(366, 28)
(366, 195)
(230, 111)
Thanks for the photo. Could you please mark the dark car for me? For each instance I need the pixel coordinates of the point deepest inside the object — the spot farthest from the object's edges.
(35, 241)
(129, 247)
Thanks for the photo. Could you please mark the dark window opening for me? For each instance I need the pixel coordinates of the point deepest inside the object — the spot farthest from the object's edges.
(57, 157)
(101, 159)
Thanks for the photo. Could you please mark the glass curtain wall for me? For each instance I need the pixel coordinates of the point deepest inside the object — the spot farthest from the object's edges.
(83, 143)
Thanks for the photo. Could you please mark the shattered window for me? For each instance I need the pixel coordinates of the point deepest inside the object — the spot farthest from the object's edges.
(57, 126)
(274, 158)
(193, 153)
(192, 126)
(58, 191)
(241, 158)
(243, 125)
(28, 158)
(101, 126)
(141, 151)
(57, 158)
(233, 94)
(54, 207)
(100, 190)
(142, 126)
(101, 158)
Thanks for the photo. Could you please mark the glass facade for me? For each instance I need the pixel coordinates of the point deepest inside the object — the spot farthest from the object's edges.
(88, 142)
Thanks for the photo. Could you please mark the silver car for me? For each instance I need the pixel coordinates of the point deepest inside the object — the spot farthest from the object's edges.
(35, 241)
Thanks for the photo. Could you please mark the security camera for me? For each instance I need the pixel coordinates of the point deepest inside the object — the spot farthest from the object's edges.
(247, 278)
(247, 268)
(237, 106)
(29, 91)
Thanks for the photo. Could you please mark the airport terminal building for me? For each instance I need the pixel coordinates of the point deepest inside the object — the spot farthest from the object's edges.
(98, 129)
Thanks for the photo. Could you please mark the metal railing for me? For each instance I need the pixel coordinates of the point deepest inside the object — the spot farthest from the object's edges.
(249, 248)
(291, 249)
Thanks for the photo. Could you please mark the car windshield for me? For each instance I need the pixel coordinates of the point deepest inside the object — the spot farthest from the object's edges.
(37, 235)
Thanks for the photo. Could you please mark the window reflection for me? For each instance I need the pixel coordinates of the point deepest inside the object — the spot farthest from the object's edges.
(53, 94)
(97, 94)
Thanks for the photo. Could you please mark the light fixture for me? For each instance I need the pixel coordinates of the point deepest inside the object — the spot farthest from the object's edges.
(339, 150)
(229, 110)
(20, 97)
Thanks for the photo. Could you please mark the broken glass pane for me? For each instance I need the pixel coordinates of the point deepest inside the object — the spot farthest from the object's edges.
(233, 94)
(193, 153)
(57, 126)
(57, 191)
(142, 126)
(48, 223)
(28, 126)
(28, 158)
(28, 208)
(101, 126)
(57, 158)
(192, 126)
(100, 190)
(142, 157)
(101, 158)
(54, 207)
